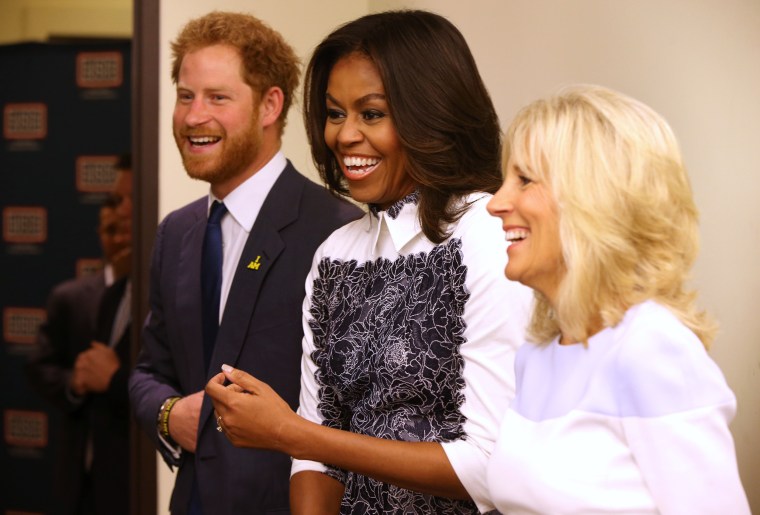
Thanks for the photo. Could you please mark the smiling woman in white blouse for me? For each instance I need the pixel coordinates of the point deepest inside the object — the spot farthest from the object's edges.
(619, 408)
(410, 327)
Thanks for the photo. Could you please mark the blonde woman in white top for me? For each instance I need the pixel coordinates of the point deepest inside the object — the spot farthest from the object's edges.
(619, 408)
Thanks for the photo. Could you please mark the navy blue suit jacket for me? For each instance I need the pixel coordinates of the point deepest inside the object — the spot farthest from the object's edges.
(260, 332)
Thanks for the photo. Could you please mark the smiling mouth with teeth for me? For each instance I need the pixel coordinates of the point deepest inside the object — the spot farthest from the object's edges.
(200, 141)
(515, 235)
(360, 165)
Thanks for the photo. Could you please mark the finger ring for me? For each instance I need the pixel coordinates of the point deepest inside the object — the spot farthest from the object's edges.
(219, 423)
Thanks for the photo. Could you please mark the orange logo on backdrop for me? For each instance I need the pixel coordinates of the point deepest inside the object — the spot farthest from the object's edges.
(95, 174)
(20, 325)
(25, 121)
(87, 266)
(24, 224)
(99, 69)
(26, 428)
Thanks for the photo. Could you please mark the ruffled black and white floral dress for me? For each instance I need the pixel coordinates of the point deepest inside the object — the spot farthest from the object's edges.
(408, 340)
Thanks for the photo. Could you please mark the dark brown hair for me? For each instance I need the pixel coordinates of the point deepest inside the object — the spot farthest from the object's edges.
(268, 60)
(441, 109)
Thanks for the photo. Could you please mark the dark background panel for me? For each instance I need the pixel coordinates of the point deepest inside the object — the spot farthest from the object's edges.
(81, 121)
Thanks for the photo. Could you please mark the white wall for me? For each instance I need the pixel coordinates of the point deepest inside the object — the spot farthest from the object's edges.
(694, 61)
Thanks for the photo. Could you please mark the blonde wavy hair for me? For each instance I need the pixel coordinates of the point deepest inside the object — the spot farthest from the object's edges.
(627, 219)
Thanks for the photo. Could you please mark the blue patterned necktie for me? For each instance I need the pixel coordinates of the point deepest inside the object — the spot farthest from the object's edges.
(211, 278)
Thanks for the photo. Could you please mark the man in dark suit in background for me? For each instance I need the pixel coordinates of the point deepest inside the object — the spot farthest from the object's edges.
(235, 80)
(78, 367)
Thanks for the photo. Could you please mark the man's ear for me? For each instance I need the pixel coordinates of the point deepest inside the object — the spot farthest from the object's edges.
(270, 106)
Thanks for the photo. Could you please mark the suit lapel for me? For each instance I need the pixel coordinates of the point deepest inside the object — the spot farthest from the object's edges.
(263, 247)
(92, 295)
(188, 295)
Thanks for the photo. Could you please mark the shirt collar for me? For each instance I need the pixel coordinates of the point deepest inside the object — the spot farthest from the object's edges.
(401, 220)
(245, 201)
(108, 274)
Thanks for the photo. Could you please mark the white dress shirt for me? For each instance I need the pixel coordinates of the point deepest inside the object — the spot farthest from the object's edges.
(243, 206)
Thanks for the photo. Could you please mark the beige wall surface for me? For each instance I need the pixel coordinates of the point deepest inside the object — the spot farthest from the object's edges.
(38, 20)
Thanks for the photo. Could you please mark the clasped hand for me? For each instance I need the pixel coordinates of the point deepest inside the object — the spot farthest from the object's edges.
(93, 369)
(252, 414)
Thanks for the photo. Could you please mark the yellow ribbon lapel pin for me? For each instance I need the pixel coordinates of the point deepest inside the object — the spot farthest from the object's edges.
(254, 265)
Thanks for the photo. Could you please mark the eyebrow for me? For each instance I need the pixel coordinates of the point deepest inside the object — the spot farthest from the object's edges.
(210, 90)
(360, 101)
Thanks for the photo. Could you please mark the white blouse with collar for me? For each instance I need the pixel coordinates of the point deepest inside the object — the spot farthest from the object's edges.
(409, 340)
